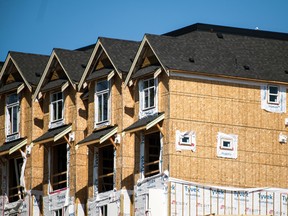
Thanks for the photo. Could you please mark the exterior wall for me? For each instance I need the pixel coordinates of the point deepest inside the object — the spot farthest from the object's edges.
(209, 107)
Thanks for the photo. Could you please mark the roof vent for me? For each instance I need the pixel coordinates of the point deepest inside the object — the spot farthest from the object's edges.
(83, 65)
(219, 35)
(131, 59)
(246, 67)
(37, 74)
(286, 71)
(191, 60)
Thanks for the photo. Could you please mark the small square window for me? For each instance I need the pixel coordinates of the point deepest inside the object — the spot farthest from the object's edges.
(186, 140)
(226, 144)
(273, 94)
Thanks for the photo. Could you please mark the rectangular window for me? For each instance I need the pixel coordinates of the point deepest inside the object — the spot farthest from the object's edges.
(148, 94)
(226, 144)
(56, 109)
(12, 116)
(15, 190)
(273, 94)
(152, 154)
(102, 102)
(58, 212)
(106, 168)
(185, 140)
(59, 167)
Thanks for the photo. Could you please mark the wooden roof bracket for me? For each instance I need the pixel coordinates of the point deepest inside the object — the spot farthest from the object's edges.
(160, 129)
(112, 141)
(67, 140)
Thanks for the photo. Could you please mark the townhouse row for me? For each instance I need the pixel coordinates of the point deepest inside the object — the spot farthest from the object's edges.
(183, 123)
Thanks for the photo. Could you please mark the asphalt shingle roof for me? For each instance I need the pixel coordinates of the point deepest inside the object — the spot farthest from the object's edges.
(8, 145)
(143, 122)
(205, 52)
(9, 87)
(96, 135)
(51, 133)
(74, 62)
(31, 65)
(121, 52)
(98, 74)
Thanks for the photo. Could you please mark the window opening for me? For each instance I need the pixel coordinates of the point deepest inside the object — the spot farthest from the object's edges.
(15, 190)
(102, 101)
(58, 212)
(226, 144)
(273, 94)
(59, 167)
(12, 116)
(57, 104)
(106, 168)
(152, 154)
(104, 211)
(148, 94)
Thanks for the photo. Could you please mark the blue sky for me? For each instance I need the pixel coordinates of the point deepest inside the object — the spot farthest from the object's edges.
(38, 26)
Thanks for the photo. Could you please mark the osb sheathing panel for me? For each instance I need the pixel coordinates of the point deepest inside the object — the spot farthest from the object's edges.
(210, 107)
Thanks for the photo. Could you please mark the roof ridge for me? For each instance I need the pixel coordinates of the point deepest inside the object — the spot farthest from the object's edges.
(227, 30)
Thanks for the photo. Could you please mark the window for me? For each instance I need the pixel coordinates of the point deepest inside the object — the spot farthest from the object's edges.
(58, 212)
(226, 144)
(148, 94)
(273, 94)
(152, 154)
(106, 168)
(15, 190)
(12, 117)
(148, 97)
(56, 110)
(59, 167)
(102, 102)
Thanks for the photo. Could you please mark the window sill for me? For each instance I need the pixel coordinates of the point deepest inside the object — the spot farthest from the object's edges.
(56, 124)
(12, 137)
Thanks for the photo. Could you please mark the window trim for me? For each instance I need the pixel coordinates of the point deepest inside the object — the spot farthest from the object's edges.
(10, 136)
(277, 102)
(96, 104)
(58, 122)
(143, 112)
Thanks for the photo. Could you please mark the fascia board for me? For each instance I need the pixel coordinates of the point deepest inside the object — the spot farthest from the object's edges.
(43, 76)
(89, 65)
(135, 60)
(58, 59)
(20, 145)
(63, 133)
(20, 72)
(155, 121)
(5, 65)
(157, 58)
(107, 54)
(108, 135)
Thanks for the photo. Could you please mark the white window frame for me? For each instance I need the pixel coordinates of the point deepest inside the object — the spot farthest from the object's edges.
(149, 110)
(56, 122)
(97, 94)
(273, 94)
(10, 134)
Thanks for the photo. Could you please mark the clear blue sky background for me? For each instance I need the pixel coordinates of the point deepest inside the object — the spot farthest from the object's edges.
(38, 26)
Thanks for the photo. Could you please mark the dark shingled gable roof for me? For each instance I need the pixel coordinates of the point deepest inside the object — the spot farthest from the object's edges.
(31, 65)
(227, 54)
(121, 52)
(74, 62)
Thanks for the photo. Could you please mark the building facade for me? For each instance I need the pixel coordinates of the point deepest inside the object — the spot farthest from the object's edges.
(191, 122)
